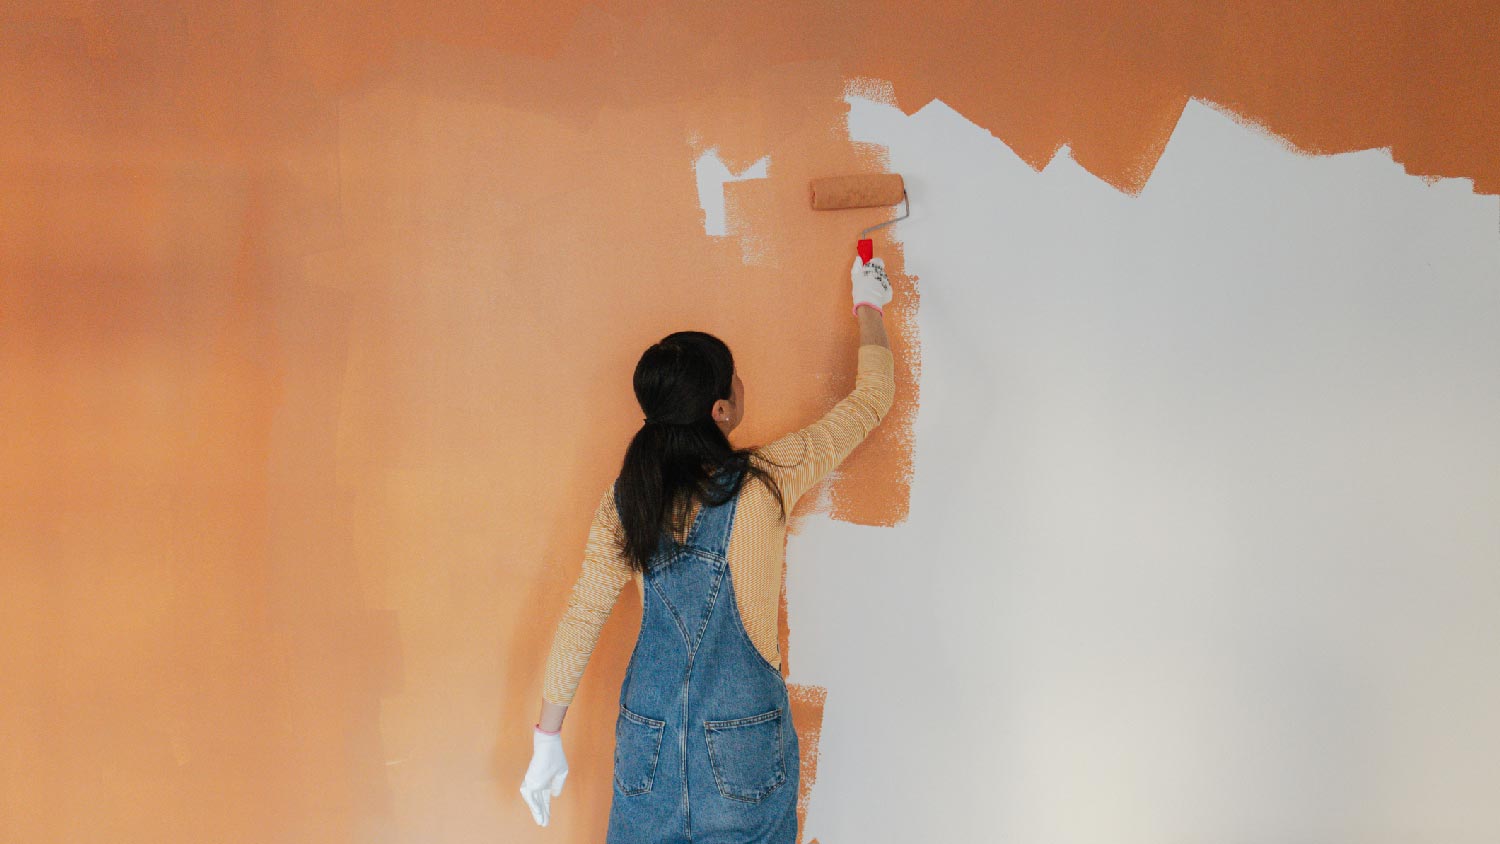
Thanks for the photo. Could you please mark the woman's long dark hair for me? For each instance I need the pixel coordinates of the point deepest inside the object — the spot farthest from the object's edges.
(677, 381)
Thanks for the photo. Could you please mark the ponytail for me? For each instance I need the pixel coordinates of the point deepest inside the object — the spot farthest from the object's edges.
(679, 452)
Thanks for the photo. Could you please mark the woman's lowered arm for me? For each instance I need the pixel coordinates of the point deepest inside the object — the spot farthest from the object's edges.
(592, 600)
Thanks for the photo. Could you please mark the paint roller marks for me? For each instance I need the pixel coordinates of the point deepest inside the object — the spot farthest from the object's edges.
(807, 715)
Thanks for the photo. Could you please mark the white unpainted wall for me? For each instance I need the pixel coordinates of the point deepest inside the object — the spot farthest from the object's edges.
(1204, 541)
(712, 174)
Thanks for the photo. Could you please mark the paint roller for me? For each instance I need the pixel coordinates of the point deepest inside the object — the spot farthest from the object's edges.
(863, 191)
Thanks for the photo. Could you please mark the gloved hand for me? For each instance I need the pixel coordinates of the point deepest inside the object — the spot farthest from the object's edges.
(871, 287)
(545, 775)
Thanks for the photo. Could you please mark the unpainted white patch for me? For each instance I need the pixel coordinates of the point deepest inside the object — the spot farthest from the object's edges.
(1203, 506)
(712, 176)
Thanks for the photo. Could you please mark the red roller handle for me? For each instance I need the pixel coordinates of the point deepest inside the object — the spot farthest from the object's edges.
(866, 249)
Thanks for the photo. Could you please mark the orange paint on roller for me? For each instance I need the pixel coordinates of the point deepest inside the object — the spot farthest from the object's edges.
(862, 191)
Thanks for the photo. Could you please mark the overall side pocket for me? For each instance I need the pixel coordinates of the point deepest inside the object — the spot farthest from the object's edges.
(637, 746)
(747, 755)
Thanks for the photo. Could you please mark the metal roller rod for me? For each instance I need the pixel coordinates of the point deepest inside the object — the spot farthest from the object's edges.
(906, 212)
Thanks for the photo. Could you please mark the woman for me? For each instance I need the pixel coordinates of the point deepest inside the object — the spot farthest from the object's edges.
(705, 749)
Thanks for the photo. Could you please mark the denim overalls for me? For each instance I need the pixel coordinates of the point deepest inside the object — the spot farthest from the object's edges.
(705, 751)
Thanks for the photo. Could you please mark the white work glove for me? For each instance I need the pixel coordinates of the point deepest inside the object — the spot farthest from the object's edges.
(545, 775)
(871, 287)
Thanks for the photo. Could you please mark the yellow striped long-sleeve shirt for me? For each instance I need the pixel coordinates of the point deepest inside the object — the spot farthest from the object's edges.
(757, 540)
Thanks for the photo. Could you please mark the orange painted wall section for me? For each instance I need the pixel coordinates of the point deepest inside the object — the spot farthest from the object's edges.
(317, 320)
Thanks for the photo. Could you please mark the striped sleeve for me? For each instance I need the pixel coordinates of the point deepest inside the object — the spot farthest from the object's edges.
(604, 574)
(804, 457)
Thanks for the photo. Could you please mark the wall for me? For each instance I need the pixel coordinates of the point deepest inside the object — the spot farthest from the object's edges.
(315, 329)
(1202, 542)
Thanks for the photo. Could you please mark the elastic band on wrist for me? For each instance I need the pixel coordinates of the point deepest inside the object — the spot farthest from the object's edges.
(539, 729)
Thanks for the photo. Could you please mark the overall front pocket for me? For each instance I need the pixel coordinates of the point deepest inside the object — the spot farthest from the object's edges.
(637, 744)
(747, 755)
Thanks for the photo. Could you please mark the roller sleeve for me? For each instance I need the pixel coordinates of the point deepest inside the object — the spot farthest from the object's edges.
(864, 191)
